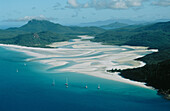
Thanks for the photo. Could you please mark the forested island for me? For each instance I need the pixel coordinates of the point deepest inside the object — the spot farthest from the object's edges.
(39, 33)
(156, 73)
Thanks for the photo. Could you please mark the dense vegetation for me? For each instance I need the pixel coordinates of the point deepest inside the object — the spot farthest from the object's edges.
(41, 32)
(43, 25)
(156, 75)
(153, 36)
(157, 72)
(40, 39)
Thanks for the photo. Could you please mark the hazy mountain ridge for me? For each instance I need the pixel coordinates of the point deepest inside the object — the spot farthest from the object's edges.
(153, 36)
(124, 21)
(114, 25)
(110, 21)
(47, 29)
(44, 25)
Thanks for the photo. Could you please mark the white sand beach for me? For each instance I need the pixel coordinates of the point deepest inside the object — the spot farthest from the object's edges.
(87, 58)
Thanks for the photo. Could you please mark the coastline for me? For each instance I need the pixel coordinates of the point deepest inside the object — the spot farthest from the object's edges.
(97, 71)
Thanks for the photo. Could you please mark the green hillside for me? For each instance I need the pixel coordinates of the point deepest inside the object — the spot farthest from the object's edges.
(153, 36)
(44, 25)
(40, 39)
(156, 73)
(163, 26)
(47, 31)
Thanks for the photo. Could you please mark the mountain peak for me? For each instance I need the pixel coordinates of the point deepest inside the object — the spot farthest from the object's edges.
(35, 25)
(38, 21)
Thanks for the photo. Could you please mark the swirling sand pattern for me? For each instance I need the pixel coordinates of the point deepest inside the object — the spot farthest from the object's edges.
(87, 57)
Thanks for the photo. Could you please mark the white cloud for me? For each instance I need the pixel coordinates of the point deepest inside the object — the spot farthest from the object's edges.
(106, 4)
(28, 18)
(73, 3)
(162, 3)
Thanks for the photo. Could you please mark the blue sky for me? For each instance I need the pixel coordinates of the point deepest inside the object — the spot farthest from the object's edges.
(17, 12)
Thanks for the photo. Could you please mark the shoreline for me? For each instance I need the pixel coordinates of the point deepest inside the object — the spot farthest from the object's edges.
(102, 73)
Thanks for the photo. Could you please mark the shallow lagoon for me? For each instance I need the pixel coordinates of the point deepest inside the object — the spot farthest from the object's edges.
(30, 89)
(83, 56)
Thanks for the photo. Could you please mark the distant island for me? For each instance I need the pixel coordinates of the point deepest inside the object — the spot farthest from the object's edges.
(114, 25)
(156, 73)
(39, 33)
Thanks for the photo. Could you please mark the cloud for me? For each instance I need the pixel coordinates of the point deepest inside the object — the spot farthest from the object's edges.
(73, 4)
(162, 3)
(28, 18)
(106, 4)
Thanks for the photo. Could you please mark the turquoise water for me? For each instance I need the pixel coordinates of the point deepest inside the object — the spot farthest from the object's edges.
(30, 89)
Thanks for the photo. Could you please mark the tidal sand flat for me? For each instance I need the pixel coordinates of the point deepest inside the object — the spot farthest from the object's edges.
(87, 58)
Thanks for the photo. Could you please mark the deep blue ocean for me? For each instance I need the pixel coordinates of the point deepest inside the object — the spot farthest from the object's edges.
(30, 89)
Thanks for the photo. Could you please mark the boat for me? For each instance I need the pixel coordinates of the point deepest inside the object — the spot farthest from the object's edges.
(98, 86)
(86, 86)
(17, 70)
(66, 82)
(53, 84)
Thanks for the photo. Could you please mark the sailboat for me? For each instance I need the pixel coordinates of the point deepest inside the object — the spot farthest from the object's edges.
(66, 83)
(53, 84)
(86, 86)
(98, 86)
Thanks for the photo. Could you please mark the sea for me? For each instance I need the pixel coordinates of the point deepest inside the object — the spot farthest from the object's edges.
(25, 86)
